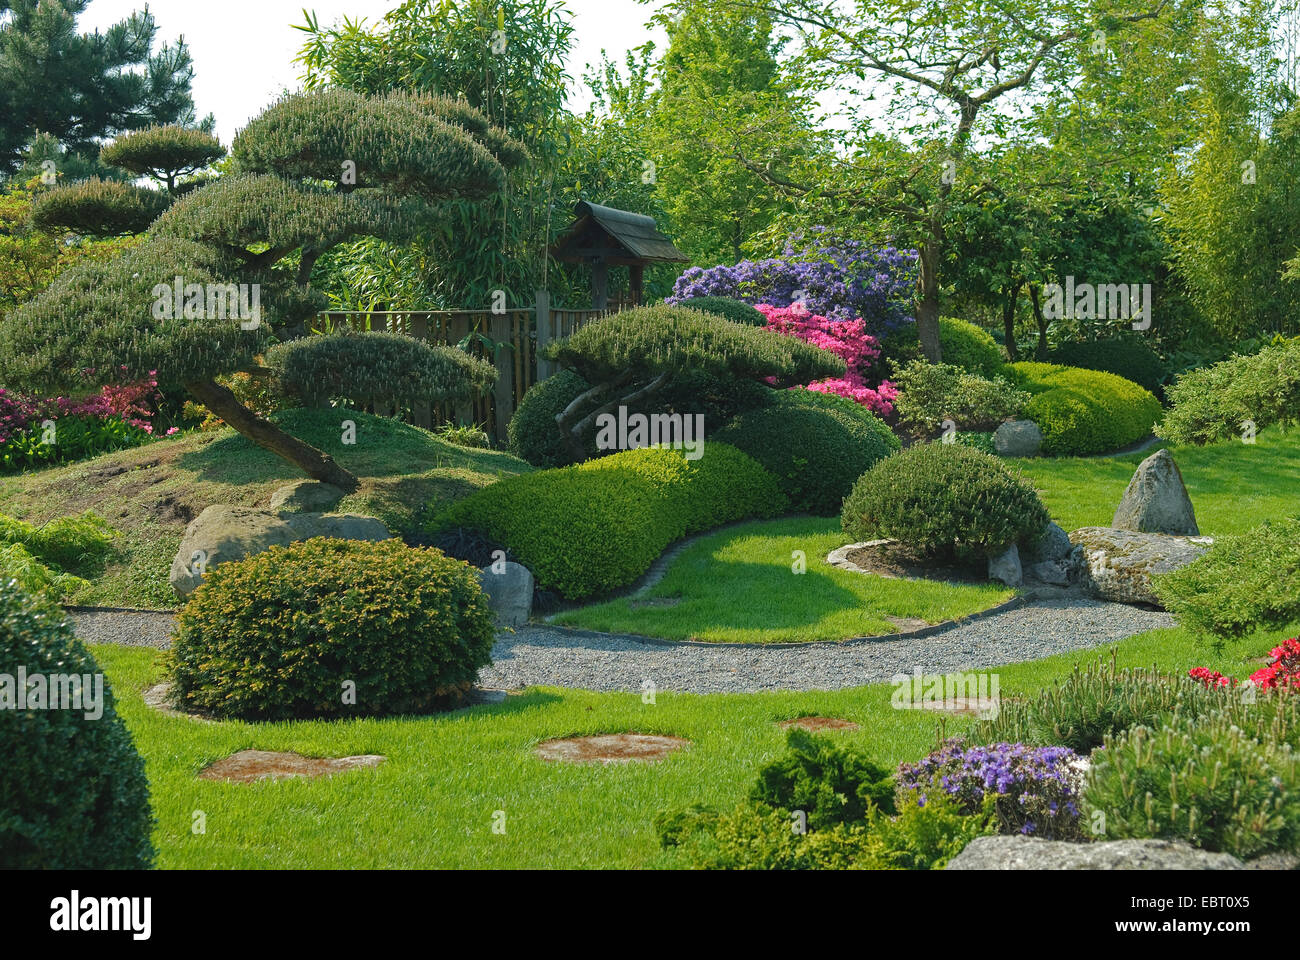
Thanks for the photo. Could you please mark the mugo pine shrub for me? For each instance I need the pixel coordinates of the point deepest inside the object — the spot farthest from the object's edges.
(281, 634)
(73, 794)
(944, 501)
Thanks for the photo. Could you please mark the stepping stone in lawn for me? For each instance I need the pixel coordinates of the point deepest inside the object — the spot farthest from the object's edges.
(248, 766)
(818, 724)
(610, 748)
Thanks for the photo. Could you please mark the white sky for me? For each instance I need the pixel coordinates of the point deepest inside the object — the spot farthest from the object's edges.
(243, 50)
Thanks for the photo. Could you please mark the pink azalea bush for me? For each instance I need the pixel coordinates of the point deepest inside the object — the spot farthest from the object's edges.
(1283, 670)
(848, 340)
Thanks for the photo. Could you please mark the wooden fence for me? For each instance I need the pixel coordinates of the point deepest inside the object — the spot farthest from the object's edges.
(510, 341)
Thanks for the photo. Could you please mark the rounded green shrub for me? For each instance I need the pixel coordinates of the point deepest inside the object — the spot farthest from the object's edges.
(287, 633)
(1224, 401)
(737, 311)
(1083, 412)
(532, 433)
(73, 794)
(1129, 357)
(944, 501)
(366, 368)
(963, 344)
(591, 528)
(814, 446)
(1241, 584)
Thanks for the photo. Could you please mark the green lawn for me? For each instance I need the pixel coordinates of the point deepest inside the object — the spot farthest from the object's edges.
(1234, 486)
(739, 586)
(150, 493)
(432, 802)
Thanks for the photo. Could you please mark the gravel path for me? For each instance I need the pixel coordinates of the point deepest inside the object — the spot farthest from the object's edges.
(550, 656)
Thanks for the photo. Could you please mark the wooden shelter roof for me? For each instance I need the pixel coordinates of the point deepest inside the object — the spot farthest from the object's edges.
(616, 236)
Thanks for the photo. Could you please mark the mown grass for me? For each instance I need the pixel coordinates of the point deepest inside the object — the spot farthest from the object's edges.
(150, 493)
(432, 802)
(1233, 486)
(740, 586)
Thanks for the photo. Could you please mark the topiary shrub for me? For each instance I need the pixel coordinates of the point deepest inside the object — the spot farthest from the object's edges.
(591, 528)
(1241, 584)
(814, 446)
(98, 208)
(944, 501)
(1245, 393)
(1125, 356)
(532, 433)
(1083, 412)
(282, 634)
(1203, 780)
(963, 345)
(73, 794)
(930, 393)
(366, 368)
(737, 311)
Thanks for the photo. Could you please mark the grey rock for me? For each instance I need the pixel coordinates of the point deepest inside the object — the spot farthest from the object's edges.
(509, 592)
(222, 533)
(1054, 572)
(1018, 438)
(1156, 500)
(1017, 852)
(1006, 567)
(1119, 564)
(306, 495)
(1278, 860)
(1053, 545)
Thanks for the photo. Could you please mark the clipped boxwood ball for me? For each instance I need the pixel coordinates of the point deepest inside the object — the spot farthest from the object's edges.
(73, 793)
(813, 444)
(944, 501)
(532, 433)
(289, 632)
(963, 344)
(737, 311)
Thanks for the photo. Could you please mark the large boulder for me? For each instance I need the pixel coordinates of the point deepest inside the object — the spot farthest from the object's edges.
(1053, 546)
(1018, 852)
(222, 533)
(1018, 438)
(1119, 564)
(1006, 567)
(1156, 500)
(509, 589)
(306, 495)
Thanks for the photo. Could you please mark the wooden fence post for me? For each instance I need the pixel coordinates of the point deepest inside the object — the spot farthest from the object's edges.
(545, 334)
(421, 412)
(379, 324)
(499, 329)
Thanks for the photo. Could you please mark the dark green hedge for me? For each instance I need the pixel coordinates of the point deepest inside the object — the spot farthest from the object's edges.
(1129, 357)
(73, 793)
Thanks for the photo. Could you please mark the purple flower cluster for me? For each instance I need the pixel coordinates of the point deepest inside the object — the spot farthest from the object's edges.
(1033, 790)
(835, 277)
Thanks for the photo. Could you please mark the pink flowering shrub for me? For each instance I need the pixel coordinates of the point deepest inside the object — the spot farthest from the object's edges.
(1282, 671)
(848, 340)
(117, 416)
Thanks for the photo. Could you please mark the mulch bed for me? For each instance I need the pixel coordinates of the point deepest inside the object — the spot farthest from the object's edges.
(890, 560)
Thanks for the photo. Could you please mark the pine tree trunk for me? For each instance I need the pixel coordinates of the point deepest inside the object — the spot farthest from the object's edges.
(317, 465)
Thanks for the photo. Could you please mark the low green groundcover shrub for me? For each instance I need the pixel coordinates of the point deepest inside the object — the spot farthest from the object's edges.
(47, 559)
(591, 528)
(737, 311)
(822, 806)
(930, 393)
(1235, 398)
(73, 794)
(1083, 412)
(331, 628)
(1204, 780)
(944, 501)
(814, 444)
(963, 344)
(1130, 357)
(1241, 584)
(365, 368)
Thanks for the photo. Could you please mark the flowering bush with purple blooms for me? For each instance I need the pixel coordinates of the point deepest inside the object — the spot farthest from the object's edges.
(836, 277)
(1035, 789)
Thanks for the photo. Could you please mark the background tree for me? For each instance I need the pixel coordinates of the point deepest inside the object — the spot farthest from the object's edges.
(80, 88)
(312, 171)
